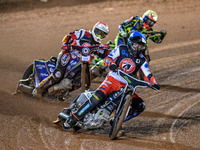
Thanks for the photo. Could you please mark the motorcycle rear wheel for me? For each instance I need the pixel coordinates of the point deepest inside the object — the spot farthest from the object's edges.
(27, 74)
(119, 118)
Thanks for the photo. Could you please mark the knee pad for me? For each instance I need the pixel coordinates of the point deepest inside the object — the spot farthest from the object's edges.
(138, 104)
(137, 107)
(57, 75)
(97, 97)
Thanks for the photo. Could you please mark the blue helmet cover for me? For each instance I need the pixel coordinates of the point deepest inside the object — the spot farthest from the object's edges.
(136, 34)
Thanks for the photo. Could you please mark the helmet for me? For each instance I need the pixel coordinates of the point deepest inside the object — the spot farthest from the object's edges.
(137, 43)
(99, 31)
(149, 19)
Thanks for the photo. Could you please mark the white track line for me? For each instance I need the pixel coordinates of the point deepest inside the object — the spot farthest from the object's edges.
(42, 138)
(171, 129)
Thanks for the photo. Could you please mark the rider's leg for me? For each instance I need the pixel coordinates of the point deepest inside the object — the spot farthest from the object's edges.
(109, 85)
(47, 82)
(137, 107)
(56, 76)
(71, 74)
(86, 107)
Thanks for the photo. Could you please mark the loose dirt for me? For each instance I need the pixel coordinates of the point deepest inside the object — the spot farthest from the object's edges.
(31, 30)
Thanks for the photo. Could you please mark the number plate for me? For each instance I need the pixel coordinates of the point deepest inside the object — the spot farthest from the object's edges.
(85, 58)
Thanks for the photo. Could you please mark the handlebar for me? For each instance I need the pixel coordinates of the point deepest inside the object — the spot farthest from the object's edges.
(133, 81)
(85, 50)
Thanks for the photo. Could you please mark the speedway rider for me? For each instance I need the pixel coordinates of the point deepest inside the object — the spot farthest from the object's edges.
(78, 37)
(140, 24)
(130, 59)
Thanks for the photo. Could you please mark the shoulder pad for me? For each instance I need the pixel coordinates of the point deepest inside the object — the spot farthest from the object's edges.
(88, 33)
(137, 17)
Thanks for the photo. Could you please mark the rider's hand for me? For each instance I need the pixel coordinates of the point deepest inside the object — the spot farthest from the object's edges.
(156, 86)
(104, 46)
(65, 47)
(163, 32)
(124, 34)
(113, 67)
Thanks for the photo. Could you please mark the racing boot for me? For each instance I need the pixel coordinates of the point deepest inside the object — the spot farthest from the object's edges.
(69, 123)
(37, 93)
(44, 85)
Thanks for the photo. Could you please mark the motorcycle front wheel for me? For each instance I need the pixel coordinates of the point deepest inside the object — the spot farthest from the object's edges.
(119, 118)
(85, 77)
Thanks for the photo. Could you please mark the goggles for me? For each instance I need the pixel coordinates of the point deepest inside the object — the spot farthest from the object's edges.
(100, 33)
(150, 22)
(138, 46)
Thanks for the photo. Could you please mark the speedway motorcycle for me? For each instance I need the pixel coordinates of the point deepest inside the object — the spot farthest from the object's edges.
(79, 74)
(116, 104)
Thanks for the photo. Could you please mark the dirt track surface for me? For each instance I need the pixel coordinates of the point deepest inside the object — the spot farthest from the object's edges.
(171, 119)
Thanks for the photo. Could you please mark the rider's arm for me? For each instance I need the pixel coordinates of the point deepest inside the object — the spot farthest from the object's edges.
(72, 37)
(158, 38)
(103, 51)
(148, 76)
(67, 41)
(111, 58)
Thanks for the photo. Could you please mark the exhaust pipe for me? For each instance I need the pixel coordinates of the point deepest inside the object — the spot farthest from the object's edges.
(63, 116)
(25, 88)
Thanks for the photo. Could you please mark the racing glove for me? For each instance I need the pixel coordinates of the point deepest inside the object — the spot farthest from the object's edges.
(104, 46)
(163, 33)
(156, 87)
(65, 47)
(124, 34)
(113, 67)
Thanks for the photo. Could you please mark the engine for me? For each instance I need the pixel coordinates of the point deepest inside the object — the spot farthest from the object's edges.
(93, 119)
(96, 120)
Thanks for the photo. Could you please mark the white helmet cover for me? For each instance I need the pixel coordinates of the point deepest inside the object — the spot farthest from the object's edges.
(103, 30)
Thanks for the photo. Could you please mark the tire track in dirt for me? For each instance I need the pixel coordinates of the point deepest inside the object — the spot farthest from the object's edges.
(27, 125)
(176, 83)
(173, 60)
(179, 110)
(176, 45)
(183, 104)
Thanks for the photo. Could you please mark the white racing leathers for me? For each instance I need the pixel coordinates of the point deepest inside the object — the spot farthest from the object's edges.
(129, 64)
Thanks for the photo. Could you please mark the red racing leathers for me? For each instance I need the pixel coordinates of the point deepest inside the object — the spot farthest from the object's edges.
(68, 58)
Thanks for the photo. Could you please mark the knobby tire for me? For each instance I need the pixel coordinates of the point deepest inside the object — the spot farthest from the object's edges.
(27, 73)
(83, 76)
(119, 118)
